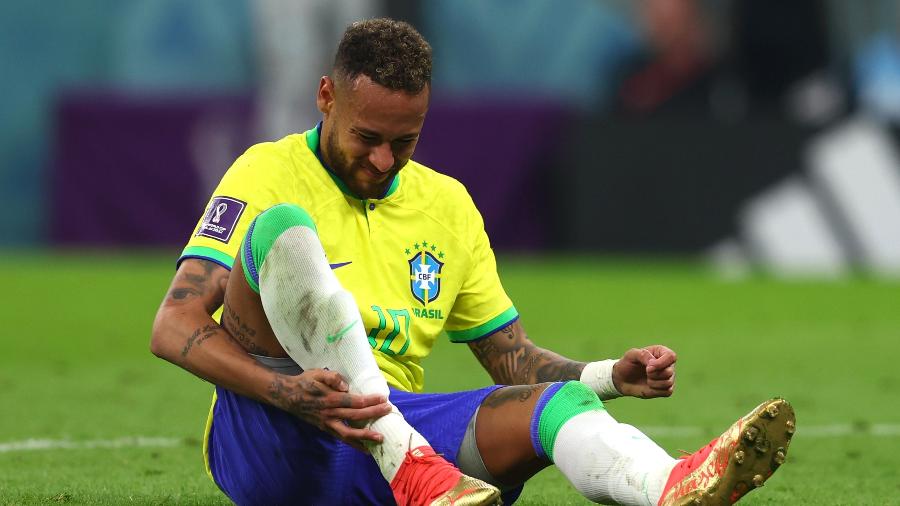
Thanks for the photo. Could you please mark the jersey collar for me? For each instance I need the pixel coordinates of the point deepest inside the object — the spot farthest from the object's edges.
(312, 141)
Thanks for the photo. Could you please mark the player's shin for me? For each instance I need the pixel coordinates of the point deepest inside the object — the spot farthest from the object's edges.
(605, 461)
(316, 320)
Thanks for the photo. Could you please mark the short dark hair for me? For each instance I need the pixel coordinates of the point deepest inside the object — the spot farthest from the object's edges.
(391, 53)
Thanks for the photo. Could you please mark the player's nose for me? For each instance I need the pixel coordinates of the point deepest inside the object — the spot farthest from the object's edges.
(381, 157)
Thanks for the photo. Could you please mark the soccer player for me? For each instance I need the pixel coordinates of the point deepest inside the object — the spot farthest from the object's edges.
(322, 272)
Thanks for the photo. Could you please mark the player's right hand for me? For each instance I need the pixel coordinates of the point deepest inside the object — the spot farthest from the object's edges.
(321, 398)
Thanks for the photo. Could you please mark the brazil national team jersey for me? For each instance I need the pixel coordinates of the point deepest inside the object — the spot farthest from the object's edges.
(417, 260)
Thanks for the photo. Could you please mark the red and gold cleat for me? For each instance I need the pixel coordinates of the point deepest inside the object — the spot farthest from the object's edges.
(738, 461)
(426, 478)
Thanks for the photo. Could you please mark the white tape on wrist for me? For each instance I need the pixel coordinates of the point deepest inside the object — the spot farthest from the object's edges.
(599, 376)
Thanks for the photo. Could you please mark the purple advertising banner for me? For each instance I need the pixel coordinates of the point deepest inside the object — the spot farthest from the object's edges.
(137, 171)
(505, 154)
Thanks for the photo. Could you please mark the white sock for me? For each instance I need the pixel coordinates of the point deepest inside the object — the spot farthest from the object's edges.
(609, 462)
(318, 324)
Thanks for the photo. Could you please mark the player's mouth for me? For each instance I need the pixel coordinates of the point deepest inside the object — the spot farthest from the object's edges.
(375, 175)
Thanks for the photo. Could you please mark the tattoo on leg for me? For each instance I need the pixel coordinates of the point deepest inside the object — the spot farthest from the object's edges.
(242, 332)
(510, 394)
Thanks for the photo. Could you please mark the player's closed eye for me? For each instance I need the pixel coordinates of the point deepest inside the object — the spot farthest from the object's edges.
(404, 142)
(368, 139)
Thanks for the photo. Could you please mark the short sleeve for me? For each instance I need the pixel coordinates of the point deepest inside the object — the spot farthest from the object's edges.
(482, 306)
(254, 183)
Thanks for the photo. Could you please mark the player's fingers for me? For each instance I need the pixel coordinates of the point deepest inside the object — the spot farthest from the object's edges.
(661, 374)
(348, 434)
(636, 356)
(368, 413)
(644, 357)
(334, 380)
(663, 357)
(354, 401)
(658, 385)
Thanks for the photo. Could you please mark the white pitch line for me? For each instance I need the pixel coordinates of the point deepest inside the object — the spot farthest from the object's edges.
(807, 432)
(66, 444)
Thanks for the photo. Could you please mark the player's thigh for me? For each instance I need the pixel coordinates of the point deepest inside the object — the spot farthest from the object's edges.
(503, 433)
(244, 318)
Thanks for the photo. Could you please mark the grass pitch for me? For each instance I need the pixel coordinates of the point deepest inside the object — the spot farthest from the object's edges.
(78, 386)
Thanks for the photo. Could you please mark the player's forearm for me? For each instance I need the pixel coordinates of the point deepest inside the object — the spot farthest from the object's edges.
(555, 367)
(512, 359)
(196, 343)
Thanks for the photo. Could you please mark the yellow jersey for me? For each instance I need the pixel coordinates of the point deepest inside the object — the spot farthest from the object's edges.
(417, 261)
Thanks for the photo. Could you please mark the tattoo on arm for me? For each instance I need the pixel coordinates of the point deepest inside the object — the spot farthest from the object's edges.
(198, 337)
(512, 359)
(561, 369)
(198, 279)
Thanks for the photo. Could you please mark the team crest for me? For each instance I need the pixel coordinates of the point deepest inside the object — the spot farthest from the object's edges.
(425, 273)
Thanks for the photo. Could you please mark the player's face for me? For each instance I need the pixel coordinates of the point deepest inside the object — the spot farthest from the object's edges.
(369, 132)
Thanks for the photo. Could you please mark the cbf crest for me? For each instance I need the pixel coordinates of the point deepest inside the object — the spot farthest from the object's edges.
(425, 272)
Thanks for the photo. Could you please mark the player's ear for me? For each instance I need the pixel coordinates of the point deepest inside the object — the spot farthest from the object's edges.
(325, 96)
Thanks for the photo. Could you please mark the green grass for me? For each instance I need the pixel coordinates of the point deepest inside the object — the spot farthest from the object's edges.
(75, 365)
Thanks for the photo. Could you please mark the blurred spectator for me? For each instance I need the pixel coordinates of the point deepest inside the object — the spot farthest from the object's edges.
(295, 43)
(568, 51)
(181, 46)
(673, 72)
(782, 58)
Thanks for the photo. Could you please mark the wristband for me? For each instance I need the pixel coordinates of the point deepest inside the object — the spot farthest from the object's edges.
(599, 376)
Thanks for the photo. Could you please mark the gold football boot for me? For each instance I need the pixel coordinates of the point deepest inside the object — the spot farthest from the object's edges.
(736, 462)
(469, 492)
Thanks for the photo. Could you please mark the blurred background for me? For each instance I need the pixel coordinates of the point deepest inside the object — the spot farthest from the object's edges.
(649, 171)
(755, 133)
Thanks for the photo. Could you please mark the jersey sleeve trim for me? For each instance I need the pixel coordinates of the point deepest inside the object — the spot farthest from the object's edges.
(496, 323)
(250, 272)
(213, 255)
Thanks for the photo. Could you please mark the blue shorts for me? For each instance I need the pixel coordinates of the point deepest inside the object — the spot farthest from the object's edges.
(258, 454)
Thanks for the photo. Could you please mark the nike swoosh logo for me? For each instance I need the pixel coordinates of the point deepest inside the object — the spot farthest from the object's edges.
(335, 266)
(341, 332)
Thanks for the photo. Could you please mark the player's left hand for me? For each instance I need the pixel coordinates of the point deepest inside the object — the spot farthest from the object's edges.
(646, 372)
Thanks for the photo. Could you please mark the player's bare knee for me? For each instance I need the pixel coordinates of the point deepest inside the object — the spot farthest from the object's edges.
(264, 232)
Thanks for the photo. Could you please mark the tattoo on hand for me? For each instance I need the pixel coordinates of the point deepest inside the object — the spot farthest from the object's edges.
(290, 396)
